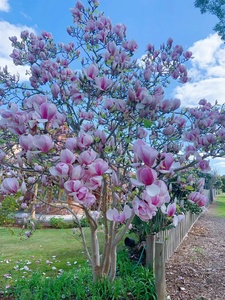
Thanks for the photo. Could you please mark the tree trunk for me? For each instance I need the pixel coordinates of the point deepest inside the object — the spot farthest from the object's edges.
(113, 263)
(96, 269)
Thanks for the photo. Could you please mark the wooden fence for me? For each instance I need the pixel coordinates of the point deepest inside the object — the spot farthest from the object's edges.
(160, 248)
(173, 237)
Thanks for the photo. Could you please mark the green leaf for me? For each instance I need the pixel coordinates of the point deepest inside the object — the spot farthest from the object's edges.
(189, 188)
(147, 123)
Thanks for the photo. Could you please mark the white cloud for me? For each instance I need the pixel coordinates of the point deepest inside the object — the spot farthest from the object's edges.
(7, 30)
(4, 5)
(207, 73)
(218, 165)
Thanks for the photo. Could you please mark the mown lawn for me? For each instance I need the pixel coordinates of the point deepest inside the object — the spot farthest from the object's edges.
(220, 206)
(50, 251)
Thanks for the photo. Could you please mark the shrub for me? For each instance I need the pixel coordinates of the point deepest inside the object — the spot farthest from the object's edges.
(7, 209)
(59, 223)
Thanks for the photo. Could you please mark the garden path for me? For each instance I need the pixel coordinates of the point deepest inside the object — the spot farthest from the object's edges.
(196, 271)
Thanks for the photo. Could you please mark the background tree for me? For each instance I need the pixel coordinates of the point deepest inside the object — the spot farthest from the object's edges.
(217, 8)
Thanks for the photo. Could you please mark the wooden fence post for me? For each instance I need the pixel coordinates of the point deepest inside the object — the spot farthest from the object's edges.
(150, 251)
(160, 275)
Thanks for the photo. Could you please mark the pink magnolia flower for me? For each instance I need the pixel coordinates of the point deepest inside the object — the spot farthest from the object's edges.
(47, 111)
(147, 74)
(23, 188)
(55, 89)
(120, 30)
(114, 178)
(155, 200)
(71, 143)
(84, 197)
(142, 133)
(43, 142)
(76, 173)
(130, 45)
(98, 167)
(177, 219)
(204, 166)
(145, 153)
(163, 193)
(26, 142)
(66, 156)
(72, 186)
(198, 198)
(120, 105)
(103, 83)
(161, 198)
(94, 182)
(146, 175)
(84, 140)
(120, 217)
(167, 164)
(87, 157)
(9, 186)
(144, 210)
(61, 169)
(111, 47)
(101, 135)
(86, 115)
(169, 210)
(95, 214)
(169, 130)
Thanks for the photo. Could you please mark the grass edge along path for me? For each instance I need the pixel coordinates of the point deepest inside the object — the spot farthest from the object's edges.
(218, 206)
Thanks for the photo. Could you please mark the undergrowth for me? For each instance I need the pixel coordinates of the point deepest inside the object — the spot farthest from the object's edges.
(132, 282)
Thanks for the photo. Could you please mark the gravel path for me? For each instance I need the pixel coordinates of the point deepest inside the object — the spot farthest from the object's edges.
(197, 269)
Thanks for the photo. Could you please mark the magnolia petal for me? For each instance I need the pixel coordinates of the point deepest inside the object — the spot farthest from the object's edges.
(175, 220)
(127, 211)
(152, 190)
(42, 120)
(163, 209)
(140, 106)
(111, 214)
(135, 182)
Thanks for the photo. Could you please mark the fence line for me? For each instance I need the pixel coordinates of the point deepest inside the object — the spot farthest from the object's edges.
(172, 238)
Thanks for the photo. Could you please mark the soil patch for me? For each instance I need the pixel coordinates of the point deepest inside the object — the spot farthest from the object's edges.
(197, 269)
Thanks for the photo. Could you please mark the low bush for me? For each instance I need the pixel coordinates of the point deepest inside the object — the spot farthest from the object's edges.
(8, 207)
(59, 223)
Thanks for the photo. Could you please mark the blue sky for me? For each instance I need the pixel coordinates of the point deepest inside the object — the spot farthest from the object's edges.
(147, 21)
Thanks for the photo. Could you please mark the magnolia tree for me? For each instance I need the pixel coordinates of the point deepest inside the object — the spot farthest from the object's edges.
(92, 120)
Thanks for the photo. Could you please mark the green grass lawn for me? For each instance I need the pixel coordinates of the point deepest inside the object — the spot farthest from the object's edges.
(47, 251)
(220, 206)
